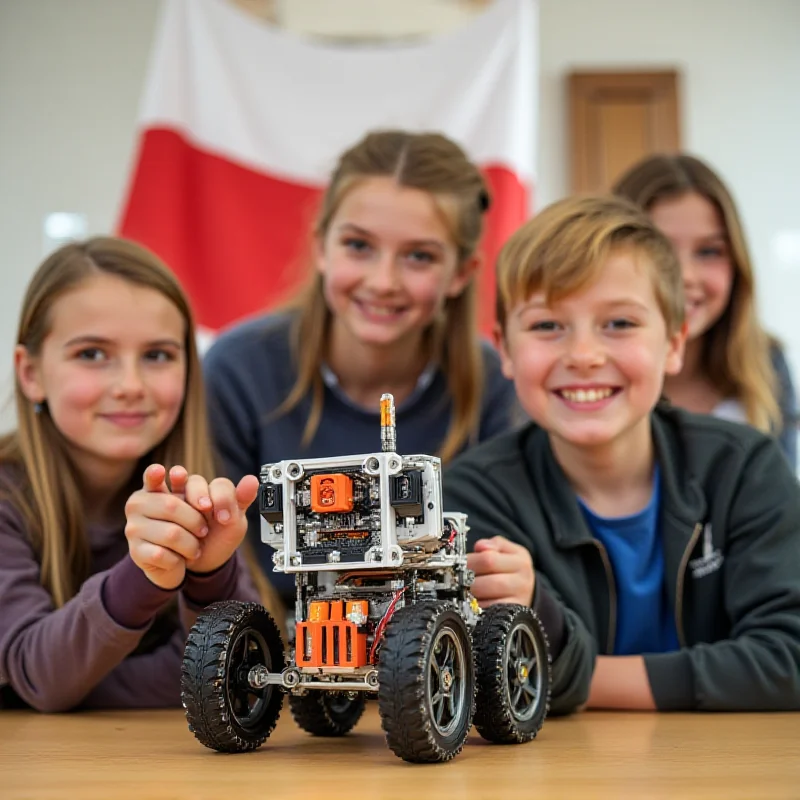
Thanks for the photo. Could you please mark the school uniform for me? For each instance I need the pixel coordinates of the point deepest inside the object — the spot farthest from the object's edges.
(249, 372)
(728, 525)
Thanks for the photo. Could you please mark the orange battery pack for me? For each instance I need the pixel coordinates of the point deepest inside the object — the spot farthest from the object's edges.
(329, 640)
(331, 493)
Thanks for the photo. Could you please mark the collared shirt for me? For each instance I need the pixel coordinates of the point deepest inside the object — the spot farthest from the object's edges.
(331, 380)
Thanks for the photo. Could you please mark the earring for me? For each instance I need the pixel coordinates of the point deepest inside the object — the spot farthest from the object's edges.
(38, 407)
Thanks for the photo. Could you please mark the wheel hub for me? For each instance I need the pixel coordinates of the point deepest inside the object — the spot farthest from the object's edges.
(447, 678)
(257, 677)
(524, 683)
(247, 683)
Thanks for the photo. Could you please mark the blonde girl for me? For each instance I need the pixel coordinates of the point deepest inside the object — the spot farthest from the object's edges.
(99, 581)
(733, 367)
(389, 307)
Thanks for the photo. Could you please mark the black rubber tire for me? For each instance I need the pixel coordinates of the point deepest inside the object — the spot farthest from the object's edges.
(512, 660)
(223, 711)
(327, 713)
(425, 645)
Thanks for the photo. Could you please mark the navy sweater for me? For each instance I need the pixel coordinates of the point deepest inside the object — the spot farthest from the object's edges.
(249, 372)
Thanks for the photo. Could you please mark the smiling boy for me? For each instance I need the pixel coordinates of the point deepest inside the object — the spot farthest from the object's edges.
(674, 538)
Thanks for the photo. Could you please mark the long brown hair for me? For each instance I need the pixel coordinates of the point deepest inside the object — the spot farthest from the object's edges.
(736, 349)
(48, 491)
(435, 164)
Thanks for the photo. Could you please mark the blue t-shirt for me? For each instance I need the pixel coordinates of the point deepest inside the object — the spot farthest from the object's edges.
(645, 622)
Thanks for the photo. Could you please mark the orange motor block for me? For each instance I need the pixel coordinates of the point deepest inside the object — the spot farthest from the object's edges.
(329, 639)
(331, 493)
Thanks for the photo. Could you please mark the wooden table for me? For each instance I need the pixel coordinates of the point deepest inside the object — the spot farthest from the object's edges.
(150, 755)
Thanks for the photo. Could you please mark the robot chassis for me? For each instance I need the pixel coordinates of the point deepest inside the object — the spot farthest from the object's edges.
(383, 610)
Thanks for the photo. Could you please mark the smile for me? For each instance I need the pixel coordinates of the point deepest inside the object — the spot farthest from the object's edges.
(125, 420)
(381, 311)
(592, 395)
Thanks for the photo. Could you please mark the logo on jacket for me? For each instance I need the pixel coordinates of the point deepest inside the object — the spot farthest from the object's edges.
(712, 557)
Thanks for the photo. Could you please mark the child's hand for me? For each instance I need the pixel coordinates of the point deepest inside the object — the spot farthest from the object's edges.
(223, 507)
(503, 572)
(164, 532)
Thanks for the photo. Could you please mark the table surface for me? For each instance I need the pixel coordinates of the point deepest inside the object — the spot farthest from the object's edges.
(151, 754)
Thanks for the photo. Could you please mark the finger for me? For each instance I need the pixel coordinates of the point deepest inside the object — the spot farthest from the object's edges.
(167, 535)
(197, 494)
(498, 601)
(482, 545)
(492, 562)
(503, 545)
(177, 479)
(246, 491)
(223, 498)
(151, 557)
(498, 587)
(144, 508)
(155, 478)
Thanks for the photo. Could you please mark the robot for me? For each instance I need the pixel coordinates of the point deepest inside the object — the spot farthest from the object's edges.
(383, 610)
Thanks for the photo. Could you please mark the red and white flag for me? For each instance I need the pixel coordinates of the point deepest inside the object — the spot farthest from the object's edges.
(241, 125)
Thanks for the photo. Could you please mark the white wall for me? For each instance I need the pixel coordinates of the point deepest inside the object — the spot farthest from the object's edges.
(71, 74)
(740, 63)
(70, 78)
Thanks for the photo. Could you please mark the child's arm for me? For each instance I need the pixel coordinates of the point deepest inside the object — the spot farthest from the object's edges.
(55, 659)
(472, 490)
(621, 682)
(757, 667)
(164, 532)
(503, 572)
(204, 522)
(220, 573)
(52, 658)
(149, 680)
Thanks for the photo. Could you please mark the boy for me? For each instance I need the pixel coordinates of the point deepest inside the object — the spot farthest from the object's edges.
(674, 537)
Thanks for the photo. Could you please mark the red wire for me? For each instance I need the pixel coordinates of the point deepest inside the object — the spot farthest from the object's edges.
(382, 624)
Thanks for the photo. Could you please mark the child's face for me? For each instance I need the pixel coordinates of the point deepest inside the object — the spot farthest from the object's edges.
(695, 227)
(112, 370)
(389, 263)
(590, 368)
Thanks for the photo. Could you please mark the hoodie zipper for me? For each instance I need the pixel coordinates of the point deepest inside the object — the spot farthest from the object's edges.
(698, 529)
(612, 596)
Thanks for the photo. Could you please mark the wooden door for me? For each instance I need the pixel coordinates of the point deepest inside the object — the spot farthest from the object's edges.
(616, 118)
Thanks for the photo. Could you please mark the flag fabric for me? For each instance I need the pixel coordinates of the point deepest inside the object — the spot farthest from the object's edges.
(242, 123)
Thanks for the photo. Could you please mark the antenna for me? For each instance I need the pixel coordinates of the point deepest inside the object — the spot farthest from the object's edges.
(388, 427)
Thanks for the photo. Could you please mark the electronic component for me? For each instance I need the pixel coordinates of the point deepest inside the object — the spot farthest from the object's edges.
(270, 502)
(405, 493)
(331, 493)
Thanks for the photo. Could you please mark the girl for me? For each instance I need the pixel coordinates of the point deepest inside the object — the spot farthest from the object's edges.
(390, 307)
(733, 368)
(108, 381)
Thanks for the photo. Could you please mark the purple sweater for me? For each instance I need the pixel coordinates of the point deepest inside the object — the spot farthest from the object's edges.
(108, 647)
